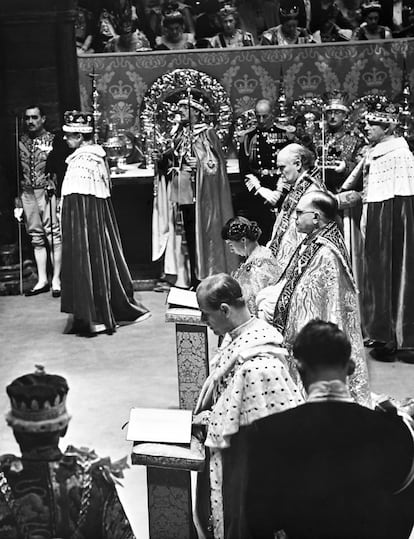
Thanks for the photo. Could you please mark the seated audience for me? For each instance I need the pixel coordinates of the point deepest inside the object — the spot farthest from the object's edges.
(370, 27)
(329, 29)
(207, 24)
(288, 32)
(407, 27)
(256, 16)
(258, 268)
(320, 11)
(248, 380)
(304, 10)
(329, 469)
(318, 283)
(128, 40)
(106, 31)
(156, 10)
(231, 35)
(47, 493)
(83, 32)
(173, 37)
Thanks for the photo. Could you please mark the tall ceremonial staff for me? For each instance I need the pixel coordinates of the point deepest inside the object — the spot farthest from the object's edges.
(190, 135)
(155, 161)
(18, 210)
(323, 144)
(51, 191)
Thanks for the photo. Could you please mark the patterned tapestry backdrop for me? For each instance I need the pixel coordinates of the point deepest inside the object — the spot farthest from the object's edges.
(358, 68)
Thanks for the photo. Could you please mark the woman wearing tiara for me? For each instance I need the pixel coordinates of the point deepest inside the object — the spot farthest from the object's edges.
(258, 268)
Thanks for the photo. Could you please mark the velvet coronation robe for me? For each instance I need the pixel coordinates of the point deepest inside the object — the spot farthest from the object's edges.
(213, 207)
(96, 282)
(285, 236)
(387, 226)
(318, 283)
(250, 380)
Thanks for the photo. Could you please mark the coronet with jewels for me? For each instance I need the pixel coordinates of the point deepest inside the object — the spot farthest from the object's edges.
(382, 113)
(335, 100)
(191, 101)
(38, 402)
(227, 10)
(76, 121)
(289, 12)
(371, 5)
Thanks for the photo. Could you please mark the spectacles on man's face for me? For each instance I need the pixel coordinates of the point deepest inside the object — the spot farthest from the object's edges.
(302, 212)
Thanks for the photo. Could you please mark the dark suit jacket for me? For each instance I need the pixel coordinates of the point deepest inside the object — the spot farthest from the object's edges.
(328, 471)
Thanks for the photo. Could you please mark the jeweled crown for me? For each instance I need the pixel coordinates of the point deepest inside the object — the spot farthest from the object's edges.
(76, 121)
(382, 112)
(336, 100)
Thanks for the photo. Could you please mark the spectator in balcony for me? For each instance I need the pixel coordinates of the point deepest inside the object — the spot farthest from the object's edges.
(106, 31)
(328, 28)
(256, 16)
(305, 10)
(156, 10)
(407, 28)
(207, 24)
(288, 32)
(321, 10)
(83, 32)
(128, 40)
(173, 37)
(231, 35)
(370, 28)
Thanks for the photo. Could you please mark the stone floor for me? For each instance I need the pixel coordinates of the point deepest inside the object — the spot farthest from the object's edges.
(108, 375)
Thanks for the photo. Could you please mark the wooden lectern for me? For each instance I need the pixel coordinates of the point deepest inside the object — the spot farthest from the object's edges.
(169, 466)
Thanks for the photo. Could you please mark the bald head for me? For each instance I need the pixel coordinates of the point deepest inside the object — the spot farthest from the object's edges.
(325, 203)
(297, 151)
(292, 161)
(315, 210)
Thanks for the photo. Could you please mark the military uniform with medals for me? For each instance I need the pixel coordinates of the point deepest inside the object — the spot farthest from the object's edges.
(258, 157)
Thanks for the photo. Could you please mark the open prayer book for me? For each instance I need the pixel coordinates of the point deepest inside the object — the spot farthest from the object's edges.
(159, 425)
(177, 297)
(182, 303)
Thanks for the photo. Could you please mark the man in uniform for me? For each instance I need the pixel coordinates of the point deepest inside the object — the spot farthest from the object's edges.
(47, 493)
(39, 200)
(295, 164)
(257, 163)
(342, 147)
